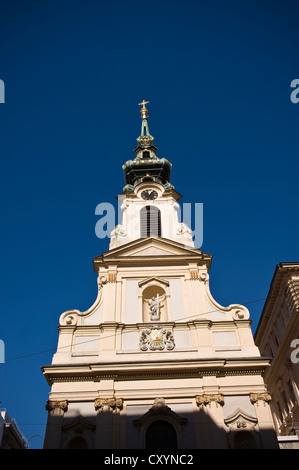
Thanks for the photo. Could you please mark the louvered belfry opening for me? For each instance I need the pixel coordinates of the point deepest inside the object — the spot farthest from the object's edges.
(150, 222)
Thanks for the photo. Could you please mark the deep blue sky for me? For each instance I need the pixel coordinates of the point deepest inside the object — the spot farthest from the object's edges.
(217, 75)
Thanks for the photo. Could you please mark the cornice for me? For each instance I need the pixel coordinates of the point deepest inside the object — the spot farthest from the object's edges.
(117, 256)
(275, 297)
(153, 260)
(154, 370)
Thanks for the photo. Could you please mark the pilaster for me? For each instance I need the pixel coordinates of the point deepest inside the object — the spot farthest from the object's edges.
(261, 402)
(209, 421)
(56, 410)
(108, 422)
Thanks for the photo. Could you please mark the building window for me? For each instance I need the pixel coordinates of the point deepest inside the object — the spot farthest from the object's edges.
(77, 443)
(161, 435)
(244, 440)
(150, 222)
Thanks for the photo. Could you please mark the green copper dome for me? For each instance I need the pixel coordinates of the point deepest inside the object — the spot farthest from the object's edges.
(146, 166)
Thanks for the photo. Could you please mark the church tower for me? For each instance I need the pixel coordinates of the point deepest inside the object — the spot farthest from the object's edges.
(149, 202)
(156, 362)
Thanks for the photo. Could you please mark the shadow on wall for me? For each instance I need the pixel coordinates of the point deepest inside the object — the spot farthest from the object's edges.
(159, 428)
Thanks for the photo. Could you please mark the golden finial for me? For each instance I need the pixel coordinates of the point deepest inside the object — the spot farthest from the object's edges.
(143, 110)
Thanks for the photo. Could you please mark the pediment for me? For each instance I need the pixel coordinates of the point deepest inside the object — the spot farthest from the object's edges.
(77, 425)
(239, 420)
(152, 251)
(153, 279)
(152, 248)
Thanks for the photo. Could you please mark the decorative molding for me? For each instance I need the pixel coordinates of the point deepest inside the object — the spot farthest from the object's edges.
(75, 373)
(240, 315)
(159, 403)
(153, 280)
(78, 426)
(74, 317)
(183, 228)
(194, 274)
(256, 397)
(57, 407)
(292, 294)
(239, 421)
(207, 398)
(119, 231)
(111, 277)
(204, 277)
(109, 404)
(101, 280)
(158, 410)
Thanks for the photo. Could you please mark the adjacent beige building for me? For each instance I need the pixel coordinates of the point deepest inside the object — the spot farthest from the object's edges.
(156, 362)
(277, 336)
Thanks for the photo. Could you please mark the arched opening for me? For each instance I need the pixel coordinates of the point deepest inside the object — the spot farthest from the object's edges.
(244, 440)
(150, 222)
(161, 435)
(154, 294)
(77, 443)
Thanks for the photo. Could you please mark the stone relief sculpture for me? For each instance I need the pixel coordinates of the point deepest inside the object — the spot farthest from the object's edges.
(154, 299)
(154, 308)
(156, 338)
(119, 231)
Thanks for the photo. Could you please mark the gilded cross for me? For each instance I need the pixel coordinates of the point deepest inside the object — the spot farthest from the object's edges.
(143, 103)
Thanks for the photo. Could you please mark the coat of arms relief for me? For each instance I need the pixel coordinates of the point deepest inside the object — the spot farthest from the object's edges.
(156, 338)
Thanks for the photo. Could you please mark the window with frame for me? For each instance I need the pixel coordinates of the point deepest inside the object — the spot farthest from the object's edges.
(150, 222)
(161, 435)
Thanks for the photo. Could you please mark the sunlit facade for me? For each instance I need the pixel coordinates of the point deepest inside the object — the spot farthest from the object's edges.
(156, 362)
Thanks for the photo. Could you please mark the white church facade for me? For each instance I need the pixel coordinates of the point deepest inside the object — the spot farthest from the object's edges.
(156, 362)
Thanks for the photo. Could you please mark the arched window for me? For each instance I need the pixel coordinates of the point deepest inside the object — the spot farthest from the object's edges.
(77, 443)
(244, 440)
(150, 222)
(161, 435)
